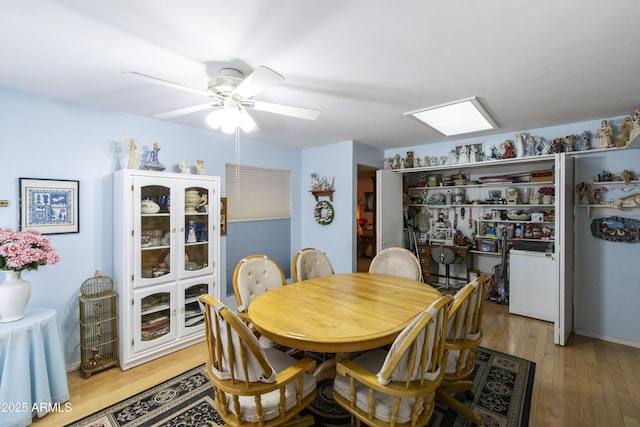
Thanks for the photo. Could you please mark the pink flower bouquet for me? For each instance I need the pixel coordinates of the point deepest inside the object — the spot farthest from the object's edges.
(25, 250)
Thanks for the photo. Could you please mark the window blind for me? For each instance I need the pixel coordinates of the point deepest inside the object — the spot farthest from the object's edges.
(257, 193)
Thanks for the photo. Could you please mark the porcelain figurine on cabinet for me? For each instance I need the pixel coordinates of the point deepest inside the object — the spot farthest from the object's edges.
(184, 166)
(133, 156)
(200, 167)
(154, 164)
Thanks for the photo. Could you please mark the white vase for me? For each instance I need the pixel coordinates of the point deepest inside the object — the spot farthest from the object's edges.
(546, 199)
(14, 295)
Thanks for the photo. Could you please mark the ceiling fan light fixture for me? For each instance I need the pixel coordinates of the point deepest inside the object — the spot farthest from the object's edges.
(228, 119)
(456, 118)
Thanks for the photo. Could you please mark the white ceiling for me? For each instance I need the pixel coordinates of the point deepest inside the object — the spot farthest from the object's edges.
(363, 63)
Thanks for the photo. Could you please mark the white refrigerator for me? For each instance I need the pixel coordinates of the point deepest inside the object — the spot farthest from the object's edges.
(533, 284)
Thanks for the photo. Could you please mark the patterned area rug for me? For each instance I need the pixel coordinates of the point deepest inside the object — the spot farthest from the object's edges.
(502, 395)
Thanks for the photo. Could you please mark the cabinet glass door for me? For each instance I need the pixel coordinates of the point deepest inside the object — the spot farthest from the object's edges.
(191, 318)
(154, 232)
(154, 320)
(196, 228)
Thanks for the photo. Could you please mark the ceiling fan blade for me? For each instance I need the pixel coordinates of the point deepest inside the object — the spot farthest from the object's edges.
(255, 83)
(167, 83)
(285, 110)
(183, 111)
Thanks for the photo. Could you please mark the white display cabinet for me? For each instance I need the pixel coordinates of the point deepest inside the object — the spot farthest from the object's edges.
(166, 254)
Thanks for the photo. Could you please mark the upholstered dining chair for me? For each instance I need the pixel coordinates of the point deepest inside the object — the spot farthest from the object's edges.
(253, 276)
(308, 263)
(397, 387)
(253, 385)
(464, 333)
(396, 261)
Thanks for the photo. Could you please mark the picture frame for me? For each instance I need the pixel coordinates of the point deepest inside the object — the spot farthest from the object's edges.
(369, 202)
(50, 206)
(475, 151)
(223, 216)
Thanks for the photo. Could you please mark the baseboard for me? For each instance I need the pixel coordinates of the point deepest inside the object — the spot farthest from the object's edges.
(608, 338)
(73, 367)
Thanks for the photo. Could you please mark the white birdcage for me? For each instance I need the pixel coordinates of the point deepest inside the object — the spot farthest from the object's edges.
(98, 325)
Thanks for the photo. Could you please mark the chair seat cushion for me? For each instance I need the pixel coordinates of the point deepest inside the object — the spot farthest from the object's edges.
(271, 401)
(372, 361)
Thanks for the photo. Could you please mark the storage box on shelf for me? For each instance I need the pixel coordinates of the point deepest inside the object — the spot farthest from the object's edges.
(166, 254)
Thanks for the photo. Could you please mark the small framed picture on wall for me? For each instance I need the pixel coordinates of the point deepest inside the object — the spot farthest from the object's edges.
(49, 205)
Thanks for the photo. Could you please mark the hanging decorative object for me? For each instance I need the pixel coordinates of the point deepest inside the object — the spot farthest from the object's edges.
(616, 229)
(323, 212)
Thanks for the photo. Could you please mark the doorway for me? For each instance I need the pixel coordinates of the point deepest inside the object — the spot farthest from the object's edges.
(366, 216)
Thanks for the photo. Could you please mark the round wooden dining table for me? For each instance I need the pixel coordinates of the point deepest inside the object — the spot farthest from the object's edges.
(340, 313)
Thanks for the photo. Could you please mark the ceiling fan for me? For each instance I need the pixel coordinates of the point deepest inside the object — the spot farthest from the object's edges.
(234, 94)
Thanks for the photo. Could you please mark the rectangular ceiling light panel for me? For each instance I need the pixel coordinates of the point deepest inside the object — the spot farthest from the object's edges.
(459, 117)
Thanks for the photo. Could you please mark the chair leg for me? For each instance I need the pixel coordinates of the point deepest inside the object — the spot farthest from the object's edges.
(458, 406)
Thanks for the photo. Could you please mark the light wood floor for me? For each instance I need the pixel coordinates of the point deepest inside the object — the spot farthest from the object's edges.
(587, 383)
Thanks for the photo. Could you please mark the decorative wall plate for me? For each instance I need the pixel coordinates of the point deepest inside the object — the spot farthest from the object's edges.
(616, 229)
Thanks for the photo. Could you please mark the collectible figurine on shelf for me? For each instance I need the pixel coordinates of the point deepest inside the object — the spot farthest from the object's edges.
(463, 156)
(597, 193)
(584, 190)
(508, 150)
(604, 135)
(519, 145)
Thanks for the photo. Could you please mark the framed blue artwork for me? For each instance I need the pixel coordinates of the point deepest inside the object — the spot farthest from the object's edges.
(49, 205)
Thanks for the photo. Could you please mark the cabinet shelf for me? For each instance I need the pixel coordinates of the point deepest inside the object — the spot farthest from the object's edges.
(514, 221)
(486, 206)
(483, 185)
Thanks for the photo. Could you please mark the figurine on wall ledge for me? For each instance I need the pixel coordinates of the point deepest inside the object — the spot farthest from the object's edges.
(631, 201)
(584, 190)
(508, 150)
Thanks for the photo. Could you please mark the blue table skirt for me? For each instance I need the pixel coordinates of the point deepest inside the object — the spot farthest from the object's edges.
(33, 377)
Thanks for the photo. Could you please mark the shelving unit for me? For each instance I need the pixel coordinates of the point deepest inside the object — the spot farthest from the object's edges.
(164, 260)
(478, 201)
